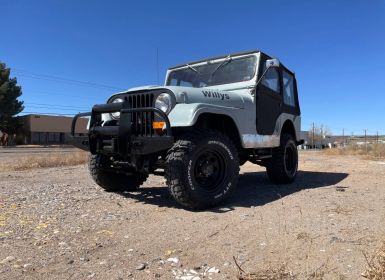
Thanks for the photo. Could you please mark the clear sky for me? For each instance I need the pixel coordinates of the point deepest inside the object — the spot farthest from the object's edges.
(336, 48)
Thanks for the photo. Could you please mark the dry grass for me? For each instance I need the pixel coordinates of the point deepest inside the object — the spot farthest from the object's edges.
(338, 209)
(52, 159)
(274, 272)
(280, 271)
(373, 151)
(268, 274)
(376, 265)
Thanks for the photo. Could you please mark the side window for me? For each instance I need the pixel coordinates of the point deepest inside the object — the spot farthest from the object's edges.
(288, 89)
(185, 84)
(173, 82)
(271, 80)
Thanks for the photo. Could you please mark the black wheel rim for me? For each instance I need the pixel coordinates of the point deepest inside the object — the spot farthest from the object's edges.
(290, 160)
(210, 170)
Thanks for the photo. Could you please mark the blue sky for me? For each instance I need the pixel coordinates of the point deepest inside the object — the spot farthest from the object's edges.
(336, 48)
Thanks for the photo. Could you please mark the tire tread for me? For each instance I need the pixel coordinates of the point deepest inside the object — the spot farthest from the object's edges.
(176, 160)
(275, 166)
(111, 181)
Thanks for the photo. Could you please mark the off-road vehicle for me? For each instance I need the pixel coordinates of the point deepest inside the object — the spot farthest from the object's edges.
(210, 117)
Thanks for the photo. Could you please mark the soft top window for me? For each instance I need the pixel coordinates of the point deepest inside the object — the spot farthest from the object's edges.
(288, 89)
(271, 80)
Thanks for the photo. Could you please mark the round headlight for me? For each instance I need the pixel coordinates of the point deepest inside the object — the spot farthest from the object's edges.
(163, 102)
(116, 115)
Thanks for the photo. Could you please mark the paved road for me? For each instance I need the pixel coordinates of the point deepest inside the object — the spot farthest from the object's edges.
(23, 151)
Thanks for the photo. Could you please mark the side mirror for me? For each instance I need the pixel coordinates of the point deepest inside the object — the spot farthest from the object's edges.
(272, 63)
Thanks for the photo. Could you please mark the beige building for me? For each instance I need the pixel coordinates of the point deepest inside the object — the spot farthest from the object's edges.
(46, 130)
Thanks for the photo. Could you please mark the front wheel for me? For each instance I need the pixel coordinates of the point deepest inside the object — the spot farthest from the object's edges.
(110, 180)
(202, 169)
(283, 166)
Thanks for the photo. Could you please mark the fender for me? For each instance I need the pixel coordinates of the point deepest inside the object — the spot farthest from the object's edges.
(295, 120)
(255, 140)
(185, 115)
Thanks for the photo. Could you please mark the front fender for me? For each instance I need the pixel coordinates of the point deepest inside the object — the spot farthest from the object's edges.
(184, 115)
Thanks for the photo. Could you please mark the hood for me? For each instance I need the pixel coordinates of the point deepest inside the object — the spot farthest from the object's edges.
(143, 88)
(189, 95)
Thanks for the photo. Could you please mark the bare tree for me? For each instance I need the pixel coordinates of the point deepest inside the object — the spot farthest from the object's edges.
(318, 132)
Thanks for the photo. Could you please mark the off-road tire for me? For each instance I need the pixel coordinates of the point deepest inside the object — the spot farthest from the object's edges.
(112, 181)
(202, 169)
(283, 166)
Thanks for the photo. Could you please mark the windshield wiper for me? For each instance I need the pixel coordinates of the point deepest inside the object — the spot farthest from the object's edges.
(192, 68)
(224, 62)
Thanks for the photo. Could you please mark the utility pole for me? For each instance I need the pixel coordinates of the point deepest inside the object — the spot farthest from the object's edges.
(157, 66)
(366, 143)
(377, 138)
(312, 139)
(343, 137)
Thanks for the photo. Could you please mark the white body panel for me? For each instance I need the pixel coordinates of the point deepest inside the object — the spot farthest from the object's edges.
(234, 100)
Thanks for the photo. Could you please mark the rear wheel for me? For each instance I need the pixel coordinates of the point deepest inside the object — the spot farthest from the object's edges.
(112, 181)
(202, 169)
(283, 166)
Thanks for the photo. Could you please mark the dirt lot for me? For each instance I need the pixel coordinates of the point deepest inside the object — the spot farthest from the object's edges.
(55, 223)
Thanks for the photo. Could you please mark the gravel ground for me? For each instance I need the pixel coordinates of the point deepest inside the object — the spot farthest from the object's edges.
(55, 223)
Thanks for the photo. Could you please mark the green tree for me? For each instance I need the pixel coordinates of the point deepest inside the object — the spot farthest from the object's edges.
(10, 106)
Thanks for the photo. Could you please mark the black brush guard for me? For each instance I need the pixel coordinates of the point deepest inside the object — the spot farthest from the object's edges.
(133, 135)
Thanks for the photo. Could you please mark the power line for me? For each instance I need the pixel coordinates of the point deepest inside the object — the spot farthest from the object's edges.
(68, 82)
(47, 107)
(44, 113)
(346, 131)
(30, 74)
(56, 94)
(54, 105)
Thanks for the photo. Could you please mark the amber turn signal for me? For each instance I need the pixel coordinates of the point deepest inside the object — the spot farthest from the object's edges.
(158, 125)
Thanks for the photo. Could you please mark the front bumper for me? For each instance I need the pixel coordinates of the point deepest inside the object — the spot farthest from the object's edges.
(133, 134)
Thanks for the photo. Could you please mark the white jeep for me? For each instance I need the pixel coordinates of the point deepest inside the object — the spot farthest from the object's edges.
(210, 117)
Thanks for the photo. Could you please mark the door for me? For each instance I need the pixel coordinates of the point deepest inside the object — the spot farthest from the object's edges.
(61, 138)
(269, 102)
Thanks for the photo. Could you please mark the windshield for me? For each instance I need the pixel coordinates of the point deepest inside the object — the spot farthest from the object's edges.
(230, 70)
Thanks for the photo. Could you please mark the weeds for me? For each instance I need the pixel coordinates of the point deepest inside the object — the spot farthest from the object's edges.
(338, 209)
(376, 265)
(44, 160)
(272, 273)
(372, 151)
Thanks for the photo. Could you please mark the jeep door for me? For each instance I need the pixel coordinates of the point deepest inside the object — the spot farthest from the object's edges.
(268, 100)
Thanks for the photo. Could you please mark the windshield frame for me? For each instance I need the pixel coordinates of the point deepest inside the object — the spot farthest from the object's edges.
(217, 61)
